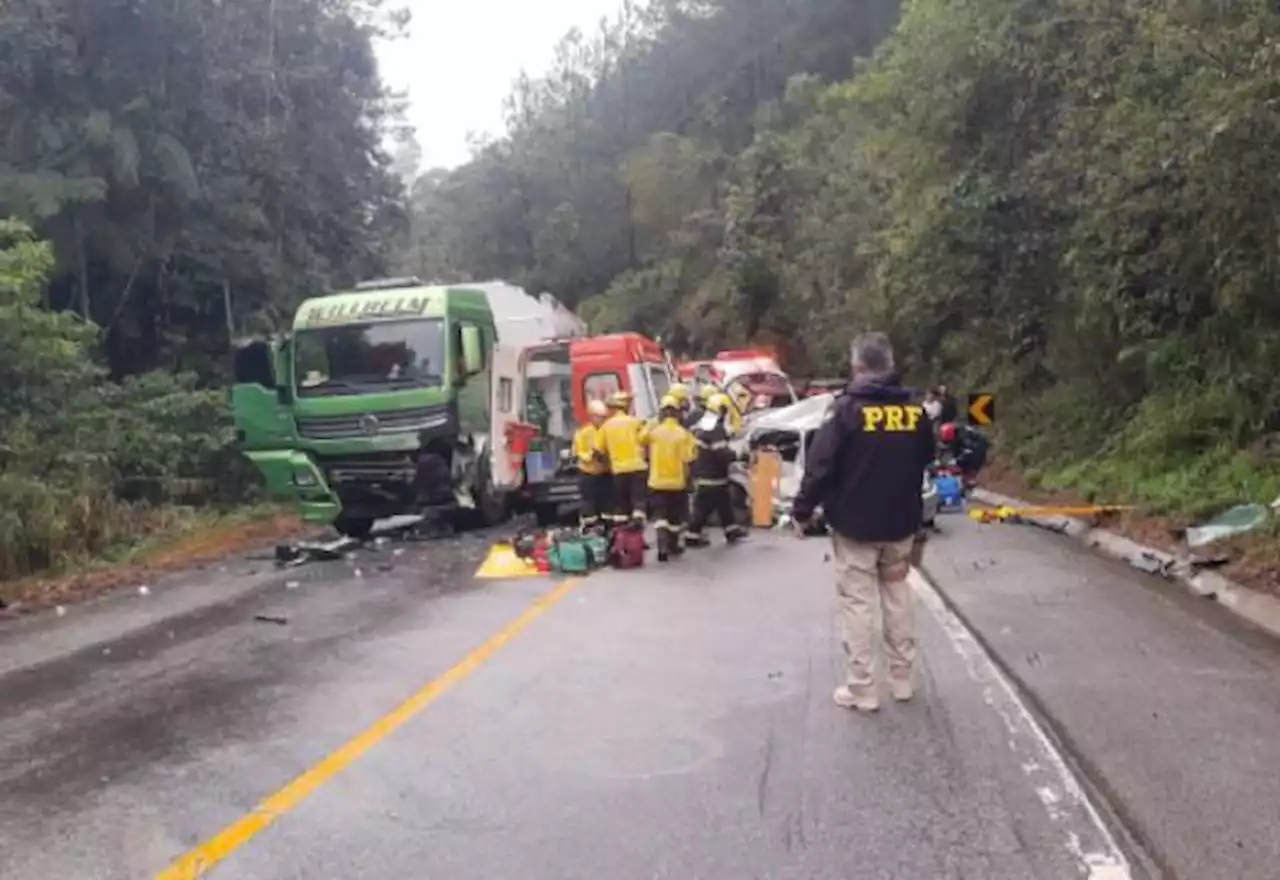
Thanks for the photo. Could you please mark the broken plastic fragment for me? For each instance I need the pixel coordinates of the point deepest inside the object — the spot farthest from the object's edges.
(1235, 521)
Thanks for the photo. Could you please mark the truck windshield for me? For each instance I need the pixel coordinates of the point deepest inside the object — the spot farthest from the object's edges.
(351, 359)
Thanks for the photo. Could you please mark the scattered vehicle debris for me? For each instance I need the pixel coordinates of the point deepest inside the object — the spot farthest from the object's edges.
(1234, 521)
(271, 618)
(401, 528)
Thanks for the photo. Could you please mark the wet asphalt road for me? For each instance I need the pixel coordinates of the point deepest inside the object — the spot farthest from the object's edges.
(673, 722)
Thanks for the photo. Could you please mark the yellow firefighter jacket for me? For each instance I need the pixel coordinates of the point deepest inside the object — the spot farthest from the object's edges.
(584, 447)
(671, 450)
(619, 439)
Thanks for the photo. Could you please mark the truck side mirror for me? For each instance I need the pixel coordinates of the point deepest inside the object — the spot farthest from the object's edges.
(472, 350)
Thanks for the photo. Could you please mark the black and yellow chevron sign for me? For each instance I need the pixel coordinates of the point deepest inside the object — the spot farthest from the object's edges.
(982, 409)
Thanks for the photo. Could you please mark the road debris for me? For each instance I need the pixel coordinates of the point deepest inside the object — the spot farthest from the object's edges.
(144, 590)
(1234, 521)
(271, 618)
(1029, 514)
(402, 528)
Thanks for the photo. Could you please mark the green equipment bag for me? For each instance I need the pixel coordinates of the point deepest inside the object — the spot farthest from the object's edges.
(570, 556)
(598, 546)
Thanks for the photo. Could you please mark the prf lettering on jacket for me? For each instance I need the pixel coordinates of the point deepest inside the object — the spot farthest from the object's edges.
(891, 418)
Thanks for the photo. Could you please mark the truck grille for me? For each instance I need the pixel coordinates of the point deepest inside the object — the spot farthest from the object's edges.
(371, 424)
(381, 468)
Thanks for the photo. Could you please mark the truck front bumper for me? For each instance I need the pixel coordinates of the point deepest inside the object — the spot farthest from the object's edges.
(294, 477)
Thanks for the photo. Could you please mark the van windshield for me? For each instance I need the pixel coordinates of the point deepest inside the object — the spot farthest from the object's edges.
(357, 358)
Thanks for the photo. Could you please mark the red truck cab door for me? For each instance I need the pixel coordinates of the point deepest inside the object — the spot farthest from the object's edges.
(626, 362)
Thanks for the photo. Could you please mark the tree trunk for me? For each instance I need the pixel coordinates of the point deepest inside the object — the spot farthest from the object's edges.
(230, 315)
(82, 270)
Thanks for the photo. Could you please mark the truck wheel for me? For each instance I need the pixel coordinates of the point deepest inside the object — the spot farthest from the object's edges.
(494, 506)
(357, 527)
(491, 508)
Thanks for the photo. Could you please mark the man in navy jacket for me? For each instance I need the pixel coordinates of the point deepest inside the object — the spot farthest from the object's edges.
(865, 469)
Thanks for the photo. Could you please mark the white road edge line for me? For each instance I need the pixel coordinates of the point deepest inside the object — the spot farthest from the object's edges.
(1046, 770)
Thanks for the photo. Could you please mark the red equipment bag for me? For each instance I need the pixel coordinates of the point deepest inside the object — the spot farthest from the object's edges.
(628, 547)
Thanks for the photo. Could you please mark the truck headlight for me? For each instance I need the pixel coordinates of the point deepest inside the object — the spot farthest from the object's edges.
(304, 478)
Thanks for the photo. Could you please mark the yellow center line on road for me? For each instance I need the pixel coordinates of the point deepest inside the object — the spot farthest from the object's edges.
(199, 861)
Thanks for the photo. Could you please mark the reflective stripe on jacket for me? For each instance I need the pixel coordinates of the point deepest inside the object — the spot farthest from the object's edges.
(671, 449)
(619, 439)
(714, 454)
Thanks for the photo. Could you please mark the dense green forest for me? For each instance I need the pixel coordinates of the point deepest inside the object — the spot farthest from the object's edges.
(175, 175)
(1070, 203)
(1067, 202)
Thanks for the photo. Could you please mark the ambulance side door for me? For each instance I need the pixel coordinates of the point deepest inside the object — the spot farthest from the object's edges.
(508, 397)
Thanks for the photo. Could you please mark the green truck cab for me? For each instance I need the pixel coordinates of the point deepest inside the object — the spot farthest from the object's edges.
(376, 404)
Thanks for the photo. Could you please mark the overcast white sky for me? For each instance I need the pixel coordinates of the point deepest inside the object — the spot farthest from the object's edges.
(461, 57)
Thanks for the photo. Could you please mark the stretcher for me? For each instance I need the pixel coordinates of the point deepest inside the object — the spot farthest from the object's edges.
(1016, 514)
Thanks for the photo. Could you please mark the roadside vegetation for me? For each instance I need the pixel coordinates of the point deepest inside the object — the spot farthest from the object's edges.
(91, 468)
(174, 177)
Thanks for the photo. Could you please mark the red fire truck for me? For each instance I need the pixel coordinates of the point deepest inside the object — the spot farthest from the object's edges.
(752, 378)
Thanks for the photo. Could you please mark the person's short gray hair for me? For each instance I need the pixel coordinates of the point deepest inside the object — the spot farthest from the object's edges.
(872, 353)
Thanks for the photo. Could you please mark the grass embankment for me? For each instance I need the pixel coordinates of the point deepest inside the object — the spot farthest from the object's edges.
(1179, 457)
(164, 540)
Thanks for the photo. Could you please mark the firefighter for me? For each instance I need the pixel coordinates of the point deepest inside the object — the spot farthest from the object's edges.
(680, 392)
(732, 414)
(711, 476)
(698, 406)
(671, 450)
(968, 446)
(618, 439)
(594, 479)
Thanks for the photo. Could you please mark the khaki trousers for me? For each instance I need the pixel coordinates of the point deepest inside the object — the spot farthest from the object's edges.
(867, 575)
